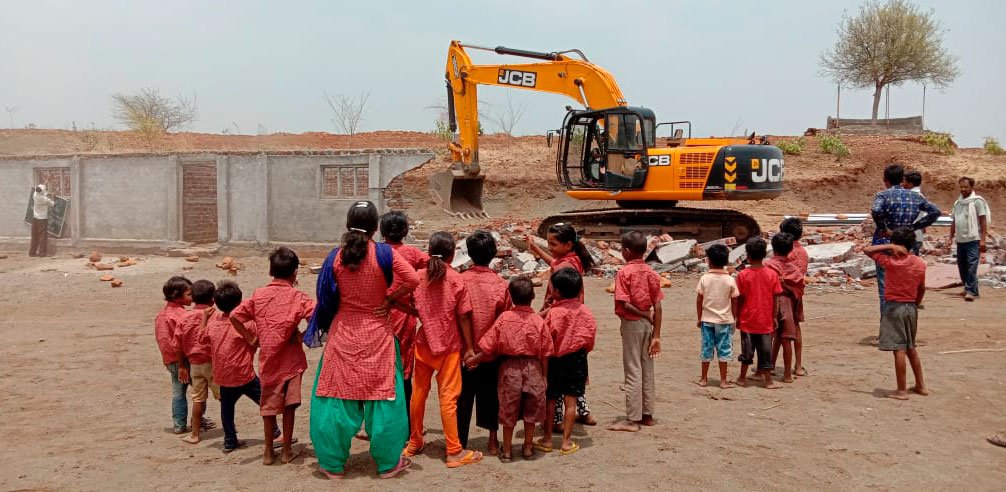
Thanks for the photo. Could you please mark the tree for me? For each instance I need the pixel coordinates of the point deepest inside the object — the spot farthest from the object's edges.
(507, 117)
(347, 111)
(889, 44)
(150, 113)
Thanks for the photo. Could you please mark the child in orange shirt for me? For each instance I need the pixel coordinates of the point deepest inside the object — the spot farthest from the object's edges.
(442, 305)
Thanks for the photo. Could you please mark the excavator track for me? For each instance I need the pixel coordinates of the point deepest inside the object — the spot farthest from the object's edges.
(700, 224)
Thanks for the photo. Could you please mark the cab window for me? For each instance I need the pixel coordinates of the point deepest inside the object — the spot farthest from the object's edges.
(625, 132)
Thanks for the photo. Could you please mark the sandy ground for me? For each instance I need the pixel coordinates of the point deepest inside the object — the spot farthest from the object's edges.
(85, 402)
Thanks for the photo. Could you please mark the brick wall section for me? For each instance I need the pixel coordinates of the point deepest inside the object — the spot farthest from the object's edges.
(199, 203)
(345, 182)
(394, 194)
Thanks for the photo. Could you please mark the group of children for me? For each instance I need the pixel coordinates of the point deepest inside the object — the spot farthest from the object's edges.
(488, 350)
(765, 302)
(210, 349)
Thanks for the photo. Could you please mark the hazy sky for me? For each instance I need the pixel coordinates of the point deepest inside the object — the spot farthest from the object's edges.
(724, 65)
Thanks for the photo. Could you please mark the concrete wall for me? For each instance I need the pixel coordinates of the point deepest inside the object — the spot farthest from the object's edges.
(262, 199)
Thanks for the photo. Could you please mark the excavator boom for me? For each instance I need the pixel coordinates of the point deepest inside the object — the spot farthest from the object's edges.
(459, 190)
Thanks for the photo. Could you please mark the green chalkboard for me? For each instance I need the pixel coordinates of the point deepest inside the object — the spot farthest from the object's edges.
(57, 213)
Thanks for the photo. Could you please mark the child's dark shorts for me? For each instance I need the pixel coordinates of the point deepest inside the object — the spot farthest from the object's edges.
(760, 343)
(898, 323)
(567, 375)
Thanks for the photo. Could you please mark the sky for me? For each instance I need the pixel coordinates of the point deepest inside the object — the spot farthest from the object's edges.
(727, 66)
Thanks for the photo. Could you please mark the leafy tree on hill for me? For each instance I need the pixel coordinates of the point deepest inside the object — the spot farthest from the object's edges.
(889, 43)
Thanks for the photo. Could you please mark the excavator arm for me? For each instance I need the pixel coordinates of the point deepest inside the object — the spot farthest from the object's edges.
(556, 73)
(459, 190)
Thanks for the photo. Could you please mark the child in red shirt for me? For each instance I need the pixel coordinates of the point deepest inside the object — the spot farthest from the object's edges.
(794, 226)
(191, 337)
(758, 287)
(789, 304)
(903, 292)
(637, 305)
(488, 294)
(277, 309)
(442, 304)
(564, 251)
(573, 328)
(520, 338)
(394, 229)
(233, 369)
(177, 294)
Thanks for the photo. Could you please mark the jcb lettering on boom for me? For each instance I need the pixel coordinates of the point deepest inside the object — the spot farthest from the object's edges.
(516, 77)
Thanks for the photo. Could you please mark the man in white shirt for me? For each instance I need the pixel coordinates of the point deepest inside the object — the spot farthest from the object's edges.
(40, 221)
(969, 230)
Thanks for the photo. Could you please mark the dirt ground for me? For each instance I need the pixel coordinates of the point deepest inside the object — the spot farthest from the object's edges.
(86, 402)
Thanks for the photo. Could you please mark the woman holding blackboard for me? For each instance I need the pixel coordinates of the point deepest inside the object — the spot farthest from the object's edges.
(40, 221)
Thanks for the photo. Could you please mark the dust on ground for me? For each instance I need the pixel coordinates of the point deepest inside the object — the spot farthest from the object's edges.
(86, 401)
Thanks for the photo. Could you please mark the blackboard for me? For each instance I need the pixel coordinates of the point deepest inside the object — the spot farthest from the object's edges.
(57, 213)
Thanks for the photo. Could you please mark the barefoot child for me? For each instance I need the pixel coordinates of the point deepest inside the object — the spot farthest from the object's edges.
(715, 305)
(758, 287)
(394, 229)
(177, 295)
(191, 338)
(443, 305)
(905, 288)
(523, 343)
(637, 305)
(277, 309)
(789, 304)
(564, 250)
(572, 328)
(488, 294)
(794, 227)
(232, 360)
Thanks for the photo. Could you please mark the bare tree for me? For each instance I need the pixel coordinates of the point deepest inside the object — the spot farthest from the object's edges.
(888, 44)
(11, 110)
(507, 117)
(347, 111)
(147, 111)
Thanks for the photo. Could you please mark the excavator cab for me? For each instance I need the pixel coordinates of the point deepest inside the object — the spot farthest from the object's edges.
(605, 149)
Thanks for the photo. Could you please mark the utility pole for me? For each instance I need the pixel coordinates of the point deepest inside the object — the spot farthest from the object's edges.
(838, 105)
(11, 110)
(923, 106)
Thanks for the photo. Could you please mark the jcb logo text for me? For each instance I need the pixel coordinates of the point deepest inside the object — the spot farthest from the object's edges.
(516, 77)
(763, 170)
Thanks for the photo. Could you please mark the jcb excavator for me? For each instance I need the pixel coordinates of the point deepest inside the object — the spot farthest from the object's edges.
(609, 151)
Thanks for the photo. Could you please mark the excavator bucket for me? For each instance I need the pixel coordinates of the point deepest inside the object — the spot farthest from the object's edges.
(458, 193)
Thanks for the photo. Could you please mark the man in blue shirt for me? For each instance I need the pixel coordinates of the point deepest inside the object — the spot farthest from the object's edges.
(898, 207)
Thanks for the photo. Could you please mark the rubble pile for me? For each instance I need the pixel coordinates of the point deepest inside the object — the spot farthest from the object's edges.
(835, 255)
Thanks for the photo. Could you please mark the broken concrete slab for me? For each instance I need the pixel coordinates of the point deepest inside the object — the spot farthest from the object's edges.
(942, 276)
(830, 252)
(675, 251)
(738, 255)
(184, 252)
(700, 249)
(461, 261)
